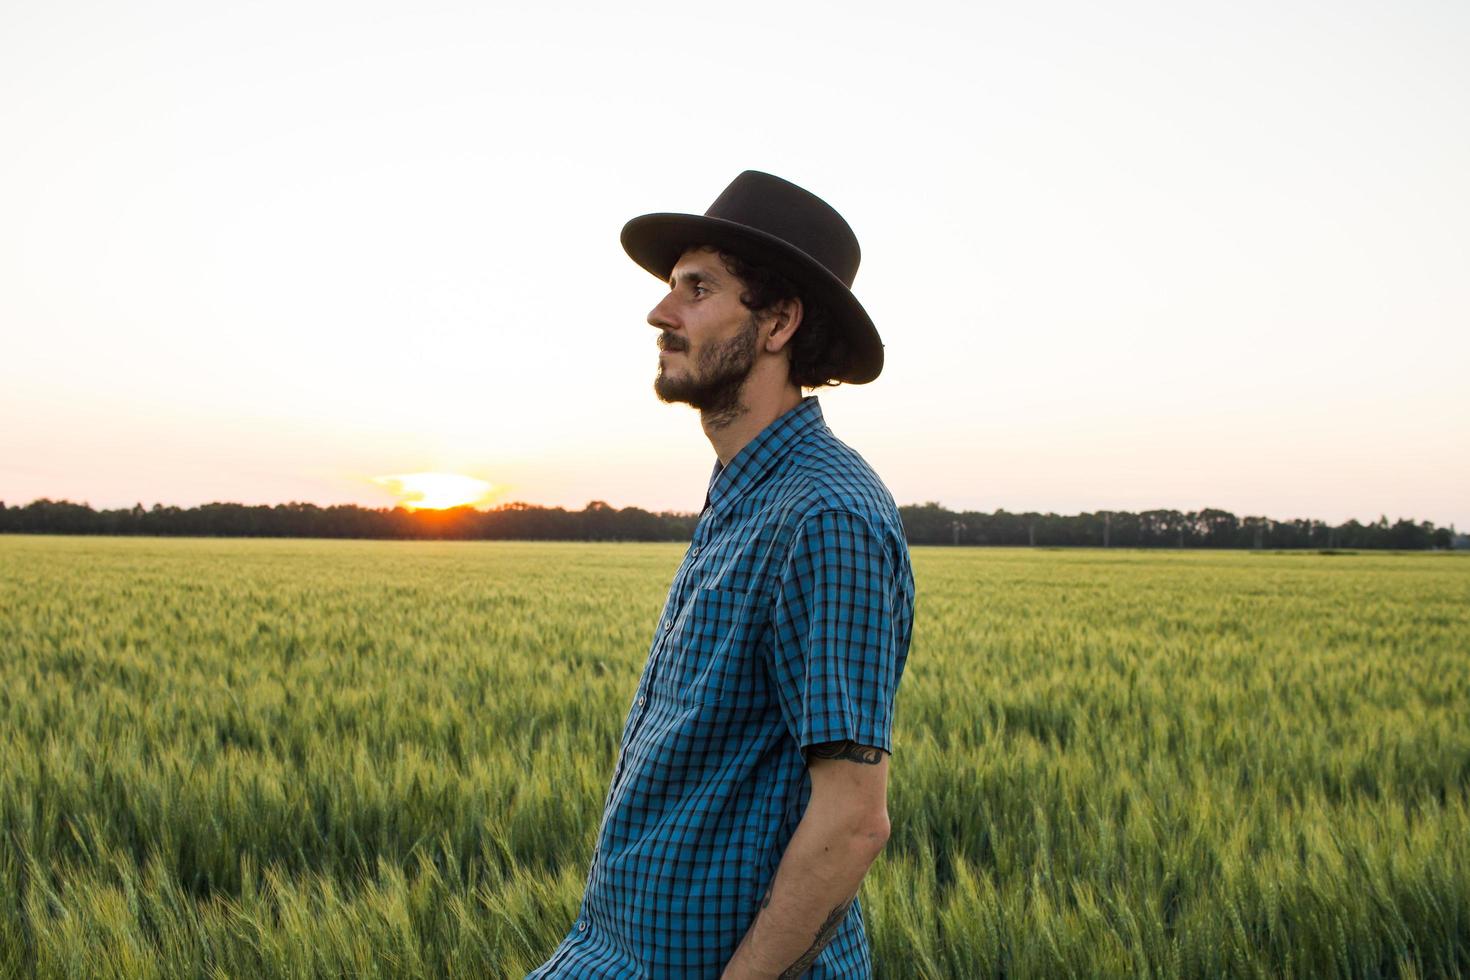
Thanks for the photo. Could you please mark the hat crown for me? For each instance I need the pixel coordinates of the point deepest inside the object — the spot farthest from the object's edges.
(794, 215)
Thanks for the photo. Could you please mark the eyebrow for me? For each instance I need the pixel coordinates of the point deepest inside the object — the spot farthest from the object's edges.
(696, 274)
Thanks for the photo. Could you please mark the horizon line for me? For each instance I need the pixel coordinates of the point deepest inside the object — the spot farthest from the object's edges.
(1383, 516)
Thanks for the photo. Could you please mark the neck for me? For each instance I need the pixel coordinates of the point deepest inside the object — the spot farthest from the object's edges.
(759, 406)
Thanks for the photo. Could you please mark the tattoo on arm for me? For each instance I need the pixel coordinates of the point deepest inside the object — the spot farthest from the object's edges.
(849, 750)
(824, 936)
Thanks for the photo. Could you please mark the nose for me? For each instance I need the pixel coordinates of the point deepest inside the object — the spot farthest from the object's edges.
(662, 315)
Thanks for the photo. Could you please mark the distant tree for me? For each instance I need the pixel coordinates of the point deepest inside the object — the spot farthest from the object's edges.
(924, 523)
(928, 523)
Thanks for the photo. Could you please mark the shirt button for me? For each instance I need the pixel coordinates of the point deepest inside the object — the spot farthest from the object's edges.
(640, 700)
(695, 552)
(668, 625)
(581, 927)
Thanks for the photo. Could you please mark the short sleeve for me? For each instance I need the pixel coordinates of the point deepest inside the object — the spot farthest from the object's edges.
(839, 633)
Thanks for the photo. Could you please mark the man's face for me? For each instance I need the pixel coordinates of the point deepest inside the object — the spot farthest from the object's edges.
(708, 343)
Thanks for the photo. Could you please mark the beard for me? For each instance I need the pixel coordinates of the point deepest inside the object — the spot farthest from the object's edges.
(713, 386)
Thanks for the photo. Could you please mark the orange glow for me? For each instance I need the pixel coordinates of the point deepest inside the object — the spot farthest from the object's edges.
(435, 491)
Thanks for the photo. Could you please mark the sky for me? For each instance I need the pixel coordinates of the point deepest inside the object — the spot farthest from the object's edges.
(1121, 256)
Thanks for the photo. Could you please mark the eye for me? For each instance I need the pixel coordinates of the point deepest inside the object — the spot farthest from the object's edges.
(700, 289)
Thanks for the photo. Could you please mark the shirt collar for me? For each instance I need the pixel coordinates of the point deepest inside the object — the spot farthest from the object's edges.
(729, 483)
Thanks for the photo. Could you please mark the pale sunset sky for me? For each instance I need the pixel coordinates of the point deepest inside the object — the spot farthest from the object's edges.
(1123, 256)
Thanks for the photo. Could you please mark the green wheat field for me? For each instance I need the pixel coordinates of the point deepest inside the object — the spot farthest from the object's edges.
(224, 758)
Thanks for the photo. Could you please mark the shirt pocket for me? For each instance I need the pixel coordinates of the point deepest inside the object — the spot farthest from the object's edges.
(703, 660)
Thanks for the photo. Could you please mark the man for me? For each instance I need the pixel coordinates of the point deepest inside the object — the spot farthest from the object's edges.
(749, 796)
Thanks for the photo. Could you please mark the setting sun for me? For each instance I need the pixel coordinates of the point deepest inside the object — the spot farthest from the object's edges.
(435, 491)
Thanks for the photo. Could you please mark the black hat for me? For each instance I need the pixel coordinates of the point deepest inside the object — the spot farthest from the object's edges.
(796, 233)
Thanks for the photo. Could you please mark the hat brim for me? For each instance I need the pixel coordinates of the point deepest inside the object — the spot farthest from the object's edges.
(655, 242)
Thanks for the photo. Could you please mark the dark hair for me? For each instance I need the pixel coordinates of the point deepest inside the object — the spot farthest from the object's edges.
(819, 351)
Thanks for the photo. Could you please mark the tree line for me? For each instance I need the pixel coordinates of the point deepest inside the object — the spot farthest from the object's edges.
(931, 523)
(927, 523)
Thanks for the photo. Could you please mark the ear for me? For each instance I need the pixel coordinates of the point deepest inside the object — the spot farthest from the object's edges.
(785, 318)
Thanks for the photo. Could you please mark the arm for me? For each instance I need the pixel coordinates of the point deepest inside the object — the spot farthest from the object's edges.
(841, 833)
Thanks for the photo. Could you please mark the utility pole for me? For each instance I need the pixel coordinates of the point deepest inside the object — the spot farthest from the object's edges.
(1107, 528)
(957, 527)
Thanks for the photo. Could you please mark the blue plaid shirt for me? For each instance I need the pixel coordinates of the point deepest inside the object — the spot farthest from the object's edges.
(787, 625)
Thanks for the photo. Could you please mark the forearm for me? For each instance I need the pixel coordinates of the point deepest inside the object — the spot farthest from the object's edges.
(814, 885)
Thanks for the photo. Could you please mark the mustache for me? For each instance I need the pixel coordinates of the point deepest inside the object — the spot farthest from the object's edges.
(670, 342)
